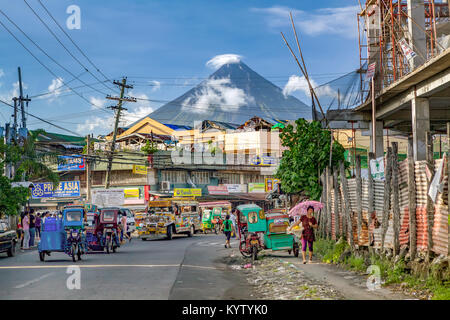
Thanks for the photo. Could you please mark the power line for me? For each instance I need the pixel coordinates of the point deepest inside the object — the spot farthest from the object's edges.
(60, 42)
(47, 68)
(73, 42)
(43, 120)
(58, 89)
(44, 52)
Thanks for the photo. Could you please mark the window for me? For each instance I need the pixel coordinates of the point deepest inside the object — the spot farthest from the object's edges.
(262, 216)
(73, 215)
(230, 178)
(201, 177)
(253, 178)
(108, 215)
(174, 176)
(253, 217)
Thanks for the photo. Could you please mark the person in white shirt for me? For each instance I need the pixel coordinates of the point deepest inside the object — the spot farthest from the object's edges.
(233, 220)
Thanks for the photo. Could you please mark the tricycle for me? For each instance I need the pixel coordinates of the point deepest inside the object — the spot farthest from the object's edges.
(107, 229)
(217, 212)
(64, 235)
(258, 231)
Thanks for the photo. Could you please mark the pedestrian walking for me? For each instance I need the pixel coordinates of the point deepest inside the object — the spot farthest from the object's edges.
(233, 221)
(124, 227)
(20, 232)
(26, 231)
(32, 228)
(227, 226)
(38, 226)
(309, 223)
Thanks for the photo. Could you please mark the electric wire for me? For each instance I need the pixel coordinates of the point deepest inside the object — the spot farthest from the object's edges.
(65, 48)
(46, 67)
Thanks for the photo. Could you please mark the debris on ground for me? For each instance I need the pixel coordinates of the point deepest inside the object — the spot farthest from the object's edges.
(274, 279)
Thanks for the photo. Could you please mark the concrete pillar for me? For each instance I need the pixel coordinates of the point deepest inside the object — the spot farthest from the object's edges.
(379, 145)
(417, 36)
(420, 114)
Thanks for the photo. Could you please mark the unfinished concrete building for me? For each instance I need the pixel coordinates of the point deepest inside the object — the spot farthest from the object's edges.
(406, 43)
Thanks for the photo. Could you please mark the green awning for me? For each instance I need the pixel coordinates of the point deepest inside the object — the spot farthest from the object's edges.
(278, 125)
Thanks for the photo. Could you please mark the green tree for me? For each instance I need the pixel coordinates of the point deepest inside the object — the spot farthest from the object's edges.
(30, 165)
(150, 147)
(307, 156)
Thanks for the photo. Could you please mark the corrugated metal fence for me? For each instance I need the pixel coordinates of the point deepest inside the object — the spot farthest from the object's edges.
(440, 234)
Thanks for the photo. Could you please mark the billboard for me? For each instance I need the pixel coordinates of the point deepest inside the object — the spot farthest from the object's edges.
(187, 192)
(139, 169)
(108, 197)
(71, 163)
(257, 187)
(65, 189)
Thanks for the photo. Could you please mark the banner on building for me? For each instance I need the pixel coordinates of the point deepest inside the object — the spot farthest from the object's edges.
(236, 188)
(65, 189)
(407, 50)
(131, 193)
(262, 160)
(139, 169)
(218, 190)
(370, 71)
(257, 187)
(71, 163)
(377, 168)
(108, 197)
(270, 183)
(187, 192)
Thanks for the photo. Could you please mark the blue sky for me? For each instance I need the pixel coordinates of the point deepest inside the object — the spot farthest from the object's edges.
(162, 47)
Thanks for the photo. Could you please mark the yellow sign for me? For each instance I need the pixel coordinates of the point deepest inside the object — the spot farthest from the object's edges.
(131, 193)
(187, 192)
(139, 169)
(270, 183)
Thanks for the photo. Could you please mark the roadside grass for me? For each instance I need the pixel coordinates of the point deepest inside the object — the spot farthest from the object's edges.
(391, 273)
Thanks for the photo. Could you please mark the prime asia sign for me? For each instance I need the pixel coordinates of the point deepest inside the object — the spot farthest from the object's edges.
(65, 189)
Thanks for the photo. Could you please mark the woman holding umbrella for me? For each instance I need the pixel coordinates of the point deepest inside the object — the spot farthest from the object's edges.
(309, 223)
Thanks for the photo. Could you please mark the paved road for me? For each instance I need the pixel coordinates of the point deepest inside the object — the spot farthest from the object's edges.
(182, 268)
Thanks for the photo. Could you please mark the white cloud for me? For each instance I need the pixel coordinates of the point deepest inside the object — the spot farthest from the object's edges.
(218, 61)
(97, 102)
(54, 88)
(104, 125)
(14, 92)
(296, 83)
(217, 93)
(93, 124)
(2, 73)
(155, 84)
(331, 21)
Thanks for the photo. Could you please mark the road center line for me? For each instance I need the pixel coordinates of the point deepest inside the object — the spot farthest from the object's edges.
(199, 267)
(93, 266)
(33, 281)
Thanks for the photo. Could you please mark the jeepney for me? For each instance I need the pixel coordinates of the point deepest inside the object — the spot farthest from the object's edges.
(168, 217)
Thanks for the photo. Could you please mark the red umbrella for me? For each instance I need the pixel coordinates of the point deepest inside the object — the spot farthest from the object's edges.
(302, 208)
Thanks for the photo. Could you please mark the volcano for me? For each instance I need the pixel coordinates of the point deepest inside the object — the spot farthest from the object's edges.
(233, 94)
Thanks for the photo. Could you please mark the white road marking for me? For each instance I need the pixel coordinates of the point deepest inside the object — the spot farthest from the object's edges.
(93, 266)
(200, 267)
(33, 281)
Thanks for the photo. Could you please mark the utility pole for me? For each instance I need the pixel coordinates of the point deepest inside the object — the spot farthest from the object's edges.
(118, 109)
(88, 169)
(14, 128)
(22, 99)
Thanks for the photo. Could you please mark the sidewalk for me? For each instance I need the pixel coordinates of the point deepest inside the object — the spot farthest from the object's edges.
(350, 284)
(278, 275)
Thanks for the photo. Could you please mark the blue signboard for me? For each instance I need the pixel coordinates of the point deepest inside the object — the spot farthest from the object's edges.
(65, 189)
(71, 163)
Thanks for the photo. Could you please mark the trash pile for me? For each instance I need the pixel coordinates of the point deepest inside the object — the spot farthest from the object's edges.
(274, 279)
